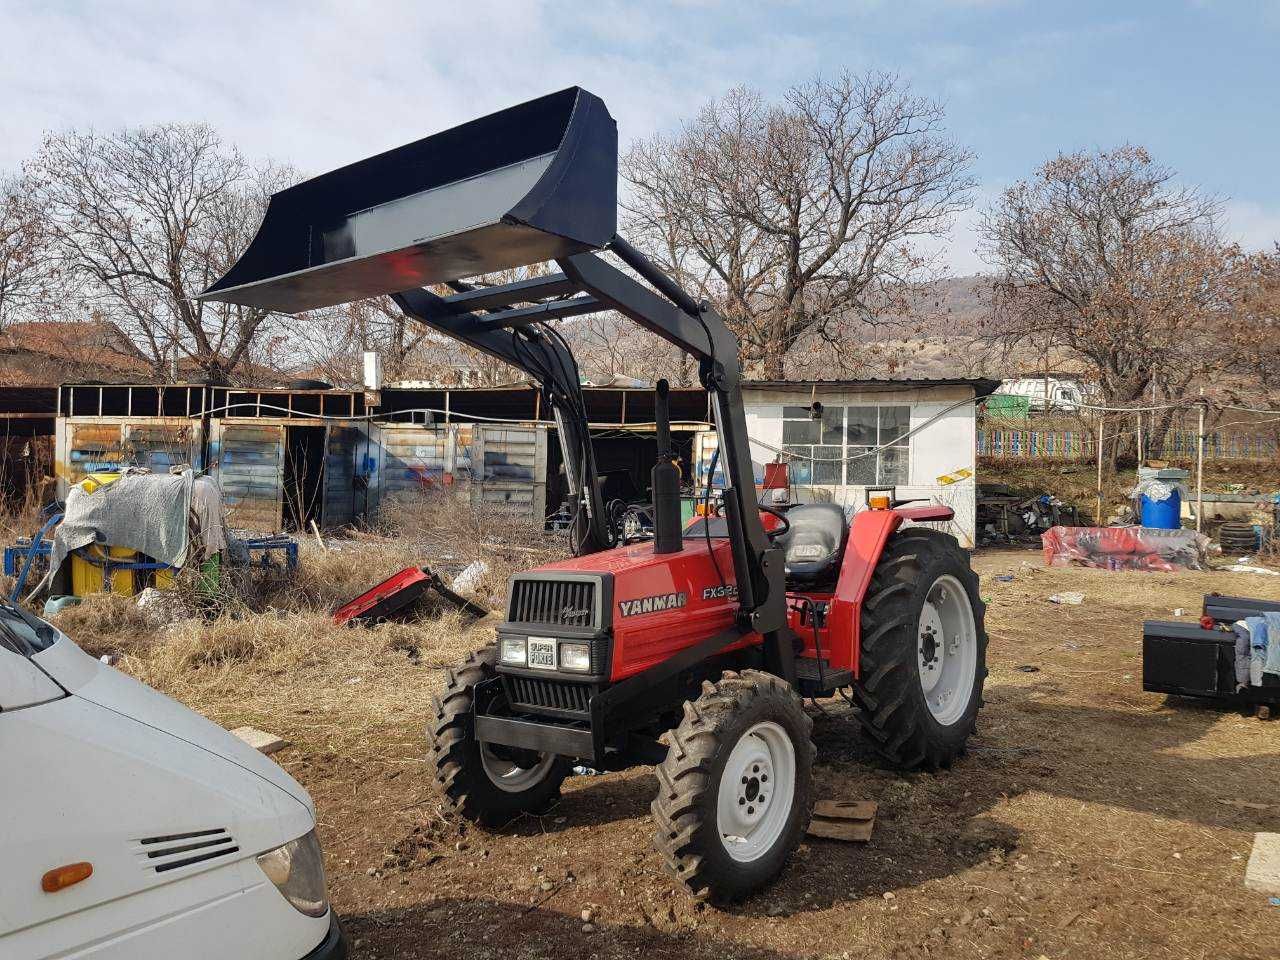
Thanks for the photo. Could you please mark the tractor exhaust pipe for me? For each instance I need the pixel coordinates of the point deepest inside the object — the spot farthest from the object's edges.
(666, 481)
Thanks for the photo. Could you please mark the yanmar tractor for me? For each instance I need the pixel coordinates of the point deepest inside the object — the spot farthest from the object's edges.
(694, 649)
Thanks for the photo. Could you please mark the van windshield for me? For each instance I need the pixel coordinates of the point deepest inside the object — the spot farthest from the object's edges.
(24, 634)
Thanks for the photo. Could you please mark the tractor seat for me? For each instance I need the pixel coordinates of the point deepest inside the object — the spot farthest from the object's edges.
(812, 548)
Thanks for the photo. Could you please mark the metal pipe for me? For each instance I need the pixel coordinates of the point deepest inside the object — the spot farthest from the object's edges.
(666, 481)
(1200, 466)
(1097, 510)
(642, 265)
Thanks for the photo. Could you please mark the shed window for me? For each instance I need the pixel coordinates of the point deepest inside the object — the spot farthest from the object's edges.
(883, 426)
(816, 445)
(827, 451)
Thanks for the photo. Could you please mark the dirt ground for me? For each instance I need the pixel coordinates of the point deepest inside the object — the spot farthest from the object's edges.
(1089, 819)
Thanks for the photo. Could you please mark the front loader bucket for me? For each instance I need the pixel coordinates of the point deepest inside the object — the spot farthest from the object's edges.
(527, 184)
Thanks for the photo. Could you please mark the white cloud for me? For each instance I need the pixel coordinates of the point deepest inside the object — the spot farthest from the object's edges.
(319, 84)
(1251, 225)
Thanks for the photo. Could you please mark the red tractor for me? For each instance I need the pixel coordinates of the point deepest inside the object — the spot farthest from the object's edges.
(693, 649)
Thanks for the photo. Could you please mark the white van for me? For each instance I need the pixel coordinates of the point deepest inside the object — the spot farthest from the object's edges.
(132, 828)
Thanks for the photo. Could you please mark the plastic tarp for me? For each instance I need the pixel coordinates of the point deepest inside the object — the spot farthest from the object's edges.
(145, 512)
(1124, 548)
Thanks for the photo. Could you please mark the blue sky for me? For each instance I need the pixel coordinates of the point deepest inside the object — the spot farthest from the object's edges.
(323, 83)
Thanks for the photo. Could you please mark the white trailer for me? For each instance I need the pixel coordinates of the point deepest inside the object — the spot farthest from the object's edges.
(1047, 393)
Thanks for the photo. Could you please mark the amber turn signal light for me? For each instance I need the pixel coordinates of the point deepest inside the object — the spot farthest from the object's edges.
(878, 501)
(59, 878)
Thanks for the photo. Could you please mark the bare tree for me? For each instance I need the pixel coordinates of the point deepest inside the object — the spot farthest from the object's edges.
(144, 219)
(23, 272)
(1106, 261)
(799, 219)
(1251, 334)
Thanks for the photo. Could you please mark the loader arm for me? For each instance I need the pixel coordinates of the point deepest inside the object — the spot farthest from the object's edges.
(590, 284)
(544, 358)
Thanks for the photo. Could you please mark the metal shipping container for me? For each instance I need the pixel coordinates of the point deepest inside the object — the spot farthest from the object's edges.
(106, 444)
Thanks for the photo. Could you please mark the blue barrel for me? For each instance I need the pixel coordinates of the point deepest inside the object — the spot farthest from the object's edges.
(1163, 514)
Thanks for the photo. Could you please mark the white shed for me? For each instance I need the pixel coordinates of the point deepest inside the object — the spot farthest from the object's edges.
(925, 429)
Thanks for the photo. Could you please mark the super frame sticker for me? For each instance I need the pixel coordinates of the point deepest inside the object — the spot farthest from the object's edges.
(654, 604)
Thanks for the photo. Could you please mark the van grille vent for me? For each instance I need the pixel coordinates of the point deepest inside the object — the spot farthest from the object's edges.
(564, 603)
(176, 850)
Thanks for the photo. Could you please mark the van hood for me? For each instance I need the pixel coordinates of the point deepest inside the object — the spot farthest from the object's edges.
(84, 676)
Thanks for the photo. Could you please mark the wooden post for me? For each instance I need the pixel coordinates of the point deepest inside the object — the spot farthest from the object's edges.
(1139, 419)
(1097, 512)
(1200, 465)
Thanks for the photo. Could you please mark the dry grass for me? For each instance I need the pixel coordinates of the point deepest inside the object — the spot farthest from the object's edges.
(1103, 807)
(107, 623)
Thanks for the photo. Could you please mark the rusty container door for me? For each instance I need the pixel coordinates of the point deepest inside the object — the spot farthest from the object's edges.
(85, 448)
(248, 460)
(510, 471)
(159, 445)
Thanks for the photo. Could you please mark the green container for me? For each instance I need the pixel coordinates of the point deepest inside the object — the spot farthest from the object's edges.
(1001, 406)
(210, 575)
(687, 508)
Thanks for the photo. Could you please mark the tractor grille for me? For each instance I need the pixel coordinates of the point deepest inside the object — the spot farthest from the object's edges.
(549, 694)
(563, 603)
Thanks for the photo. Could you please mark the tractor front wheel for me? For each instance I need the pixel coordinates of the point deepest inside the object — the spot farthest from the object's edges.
(482, 782)
(923, 655)
(735, 792)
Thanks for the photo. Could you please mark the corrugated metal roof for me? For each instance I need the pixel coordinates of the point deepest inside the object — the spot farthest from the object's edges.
(981, 386)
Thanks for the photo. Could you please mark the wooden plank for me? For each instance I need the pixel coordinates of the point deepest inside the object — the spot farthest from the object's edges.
(851, 820)
(260, 740)
(1263, 872)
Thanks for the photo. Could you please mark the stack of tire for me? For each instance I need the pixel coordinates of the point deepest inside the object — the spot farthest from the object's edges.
(1239, 538)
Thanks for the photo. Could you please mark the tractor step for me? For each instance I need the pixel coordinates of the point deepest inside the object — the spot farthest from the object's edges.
(815, 683)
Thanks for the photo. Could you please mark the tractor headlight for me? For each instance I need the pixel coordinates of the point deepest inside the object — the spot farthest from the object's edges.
(297, 870)
(575, 657)
(513, 651)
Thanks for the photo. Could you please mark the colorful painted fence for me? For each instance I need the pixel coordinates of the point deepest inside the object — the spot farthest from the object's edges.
(1079, 445)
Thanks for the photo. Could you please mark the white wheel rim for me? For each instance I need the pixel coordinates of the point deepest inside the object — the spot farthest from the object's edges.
(948, 649)
(757, 789)
(509, 776)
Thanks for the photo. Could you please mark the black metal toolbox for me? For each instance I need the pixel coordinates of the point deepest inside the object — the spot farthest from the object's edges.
(1185, 659)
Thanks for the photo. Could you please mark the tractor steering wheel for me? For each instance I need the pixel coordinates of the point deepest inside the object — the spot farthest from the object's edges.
(776, 531)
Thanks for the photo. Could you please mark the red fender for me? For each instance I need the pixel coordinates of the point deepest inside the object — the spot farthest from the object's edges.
(868, 533)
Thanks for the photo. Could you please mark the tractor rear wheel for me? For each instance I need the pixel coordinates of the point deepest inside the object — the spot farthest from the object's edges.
(735, 792)
(485, 783)
(923, 651)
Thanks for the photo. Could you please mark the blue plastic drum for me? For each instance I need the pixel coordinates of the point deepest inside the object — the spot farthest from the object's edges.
(1163, 514)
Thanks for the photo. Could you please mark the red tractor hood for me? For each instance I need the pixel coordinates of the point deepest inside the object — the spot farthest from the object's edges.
(660, 602)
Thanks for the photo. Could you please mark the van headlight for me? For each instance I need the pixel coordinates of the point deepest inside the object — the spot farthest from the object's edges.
(297, 870)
